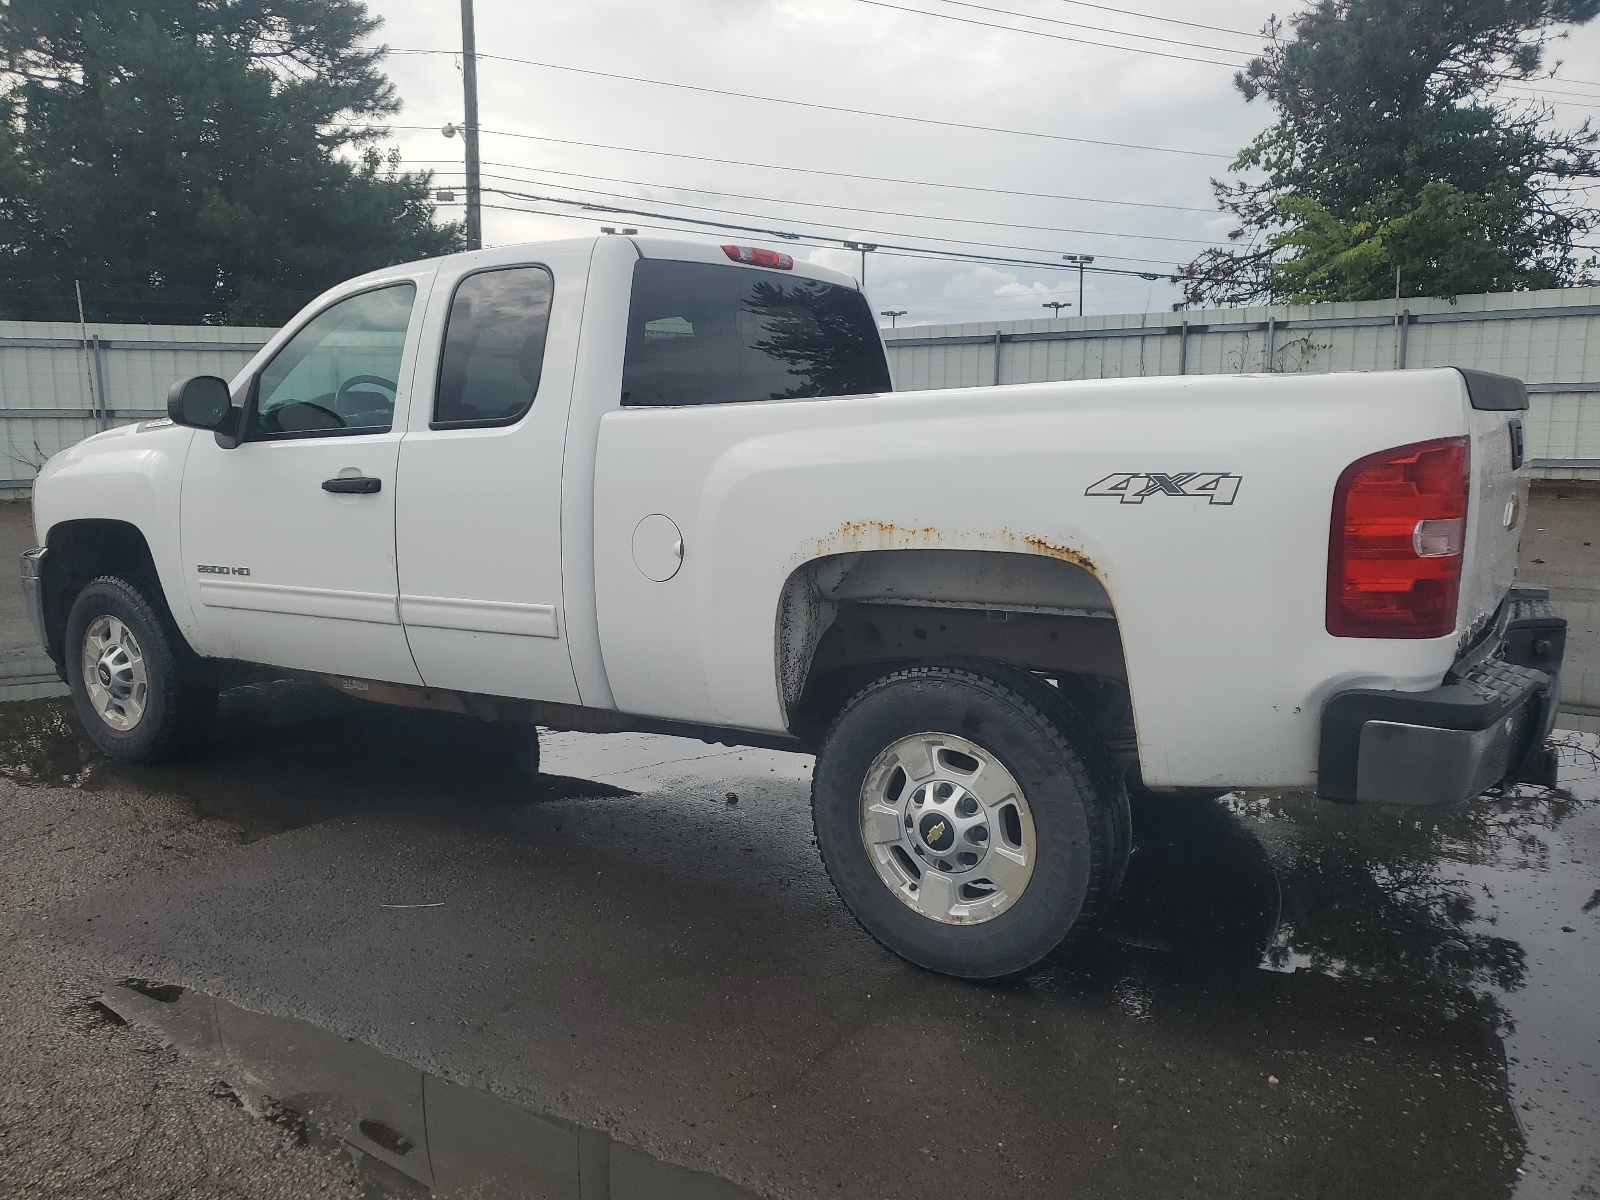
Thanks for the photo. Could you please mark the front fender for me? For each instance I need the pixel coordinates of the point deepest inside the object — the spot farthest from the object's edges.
(131, 475)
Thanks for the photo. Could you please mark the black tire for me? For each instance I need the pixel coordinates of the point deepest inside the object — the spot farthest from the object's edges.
(180, 690)
(1078, 807)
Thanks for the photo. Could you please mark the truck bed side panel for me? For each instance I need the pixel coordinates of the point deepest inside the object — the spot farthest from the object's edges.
(1221, 605)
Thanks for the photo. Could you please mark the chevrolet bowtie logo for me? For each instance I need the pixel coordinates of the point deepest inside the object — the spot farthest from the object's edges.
(936, 832)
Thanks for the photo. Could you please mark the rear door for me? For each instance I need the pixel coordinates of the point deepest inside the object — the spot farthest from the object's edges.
(479, 518)
(702, 336)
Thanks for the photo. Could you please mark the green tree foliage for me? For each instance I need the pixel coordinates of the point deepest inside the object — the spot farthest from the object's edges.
(1396, 147)
(196, 160)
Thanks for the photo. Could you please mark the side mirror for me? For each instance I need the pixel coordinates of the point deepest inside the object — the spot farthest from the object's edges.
(201, 402)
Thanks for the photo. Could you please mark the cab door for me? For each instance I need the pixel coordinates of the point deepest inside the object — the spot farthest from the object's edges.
(288, 537)
(479, 518)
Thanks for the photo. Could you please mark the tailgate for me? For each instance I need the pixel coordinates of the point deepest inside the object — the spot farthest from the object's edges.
(1497, 413)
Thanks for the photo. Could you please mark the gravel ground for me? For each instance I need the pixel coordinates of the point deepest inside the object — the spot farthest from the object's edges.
(90, 1107)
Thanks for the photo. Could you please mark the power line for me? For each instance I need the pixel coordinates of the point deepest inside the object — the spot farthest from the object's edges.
(879, 212)
(768, 166)
(995, 296)
(1584, 100)
(1144, 37)
(1122, 12)
(1058, 37)
(835, 108)
(816, 241)
(511, 195)
(1246, 54)
(852, 230)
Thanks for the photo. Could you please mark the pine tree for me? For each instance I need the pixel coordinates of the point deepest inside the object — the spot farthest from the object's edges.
(196, 160)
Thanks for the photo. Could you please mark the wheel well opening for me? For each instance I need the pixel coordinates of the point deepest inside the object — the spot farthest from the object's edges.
(80, 551)
(848, 618)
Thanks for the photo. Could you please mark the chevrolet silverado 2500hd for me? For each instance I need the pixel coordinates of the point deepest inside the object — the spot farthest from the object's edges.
(624, 483)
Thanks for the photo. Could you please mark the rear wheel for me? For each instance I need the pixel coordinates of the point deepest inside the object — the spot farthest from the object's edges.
(143, 696)
(969, 818)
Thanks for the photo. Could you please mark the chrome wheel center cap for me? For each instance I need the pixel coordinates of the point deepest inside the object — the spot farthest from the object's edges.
(947, 828)
(950, 827)
(114, 673)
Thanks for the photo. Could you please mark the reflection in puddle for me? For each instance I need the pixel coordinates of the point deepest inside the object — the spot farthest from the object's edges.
(1391, 896)
(42, 742)
(402, 1125)
(1483, 913)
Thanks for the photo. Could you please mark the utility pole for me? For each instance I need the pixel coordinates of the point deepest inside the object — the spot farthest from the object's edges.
(1057, 306)
(1082, 260)
(469, 132)
(894, 315)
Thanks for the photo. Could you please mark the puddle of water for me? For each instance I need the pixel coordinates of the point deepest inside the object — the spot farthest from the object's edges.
(1481, 912)
(287, 753)
(452, 1140)
(42, 742)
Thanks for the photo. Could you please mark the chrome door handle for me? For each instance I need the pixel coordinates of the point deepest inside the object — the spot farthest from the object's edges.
(361, 485)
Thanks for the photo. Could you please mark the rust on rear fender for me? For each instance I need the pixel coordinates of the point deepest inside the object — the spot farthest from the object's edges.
(856, 536)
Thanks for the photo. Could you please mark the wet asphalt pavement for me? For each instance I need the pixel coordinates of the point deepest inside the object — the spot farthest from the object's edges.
(371, 960)
(1296, 999)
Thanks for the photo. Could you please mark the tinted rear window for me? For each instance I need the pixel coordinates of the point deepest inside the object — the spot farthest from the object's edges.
(701, 333)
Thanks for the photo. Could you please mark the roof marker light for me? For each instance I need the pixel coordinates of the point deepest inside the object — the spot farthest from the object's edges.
(754, 256)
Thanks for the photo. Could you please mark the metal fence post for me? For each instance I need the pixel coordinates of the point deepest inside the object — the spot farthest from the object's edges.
(104, 414)
(996, 358)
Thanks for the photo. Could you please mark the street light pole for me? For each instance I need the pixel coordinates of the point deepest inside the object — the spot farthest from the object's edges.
(864, 247)
(1057, 305)
(469, 132)
(1082, 260)
(894, 315)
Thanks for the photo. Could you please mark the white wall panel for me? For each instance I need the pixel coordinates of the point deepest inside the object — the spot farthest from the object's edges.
(46, 368)
(1550, 337)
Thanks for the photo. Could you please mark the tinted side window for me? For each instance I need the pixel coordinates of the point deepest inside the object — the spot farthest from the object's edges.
(493, 347)
(339, 372)
(702, 333)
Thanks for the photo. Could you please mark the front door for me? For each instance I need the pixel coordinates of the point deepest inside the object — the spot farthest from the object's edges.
(480, 477)
(288, 538)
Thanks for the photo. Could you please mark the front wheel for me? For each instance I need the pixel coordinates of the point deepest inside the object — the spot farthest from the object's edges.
(969, 818)
(142, 694)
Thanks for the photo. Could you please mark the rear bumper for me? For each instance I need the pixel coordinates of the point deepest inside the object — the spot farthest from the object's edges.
(1485, 725)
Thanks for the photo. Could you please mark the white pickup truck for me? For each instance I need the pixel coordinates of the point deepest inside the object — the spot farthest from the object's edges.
(623, 483)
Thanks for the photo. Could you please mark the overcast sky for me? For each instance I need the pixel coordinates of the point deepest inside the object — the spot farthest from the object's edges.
(1143, 210)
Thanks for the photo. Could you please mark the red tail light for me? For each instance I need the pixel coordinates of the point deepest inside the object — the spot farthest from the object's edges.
(1399, 526)
(753, 256)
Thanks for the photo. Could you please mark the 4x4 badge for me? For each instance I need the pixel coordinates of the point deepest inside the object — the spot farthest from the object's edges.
(1132, 488)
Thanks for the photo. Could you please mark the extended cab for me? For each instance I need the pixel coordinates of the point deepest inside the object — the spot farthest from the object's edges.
(624, 483)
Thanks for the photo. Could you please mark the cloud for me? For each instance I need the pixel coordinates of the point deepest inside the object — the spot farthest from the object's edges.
(854, 55)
